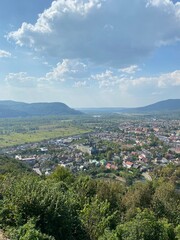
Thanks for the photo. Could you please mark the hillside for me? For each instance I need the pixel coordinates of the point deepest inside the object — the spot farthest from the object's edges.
(166, 106)
(162, 106)
(20, 109)
(63, 206)
(12, 166)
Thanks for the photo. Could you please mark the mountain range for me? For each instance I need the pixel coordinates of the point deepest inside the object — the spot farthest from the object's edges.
(169, 105)
(21, 109)
(166, 106)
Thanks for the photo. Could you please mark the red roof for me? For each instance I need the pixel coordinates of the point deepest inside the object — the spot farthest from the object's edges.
(129, 163)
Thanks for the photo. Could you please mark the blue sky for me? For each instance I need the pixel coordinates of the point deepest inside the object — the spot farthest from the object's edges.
(90, 53)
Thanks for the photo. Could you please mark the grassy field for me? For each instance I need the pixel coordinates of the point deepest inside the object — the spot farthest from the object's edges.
(20, 131)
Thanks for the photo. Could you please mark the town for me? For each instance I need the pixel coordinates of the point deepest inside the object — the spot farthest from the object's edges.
(125, 148)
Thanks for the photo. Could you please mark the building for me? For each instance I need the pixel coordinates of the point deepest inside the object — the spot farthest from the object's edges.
(86, 149)
(127, 164)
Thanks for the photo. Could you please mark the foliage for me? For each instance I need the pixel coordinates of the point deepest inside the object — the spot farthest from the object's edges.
(166, 202)
(32, 198)
(68, 207)
(177, 231)
(61, 174)
(35, 129)
(144, 227)
(96, 217)
(8, 165)
(109, 235)
(28, 232)
(138, 196)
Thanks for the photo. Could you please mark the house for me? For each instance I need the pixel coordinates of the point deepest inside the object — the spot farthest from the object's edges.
(86, 149)
(108, 166)
(164, 161)
(95, 162)
(114, 167)
(111, 166)
(43, 149)
(29, 160)
(127, 164)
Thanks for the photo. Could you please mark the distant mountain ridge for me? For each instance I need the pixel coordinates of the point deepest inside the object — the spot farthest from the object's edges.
(169, 105)
(20, 109)
(9, 109)
(162, 106)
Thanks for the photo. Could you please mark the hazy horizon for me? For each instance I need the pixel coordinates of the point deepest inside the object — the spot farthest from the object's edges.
(93, 107)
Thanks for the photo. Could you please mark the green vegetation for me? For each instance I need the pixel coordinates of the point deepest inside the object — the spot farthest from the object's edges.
(12, 166)
(9, 109)
(25, 130)
(67, 207)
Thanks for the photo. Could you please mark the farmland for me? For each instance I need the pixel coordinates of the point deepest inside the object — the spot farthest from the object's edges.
(27, 130)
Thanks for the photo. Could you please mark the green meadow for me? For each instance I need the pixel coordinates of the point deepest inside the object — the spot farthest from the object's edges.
(20, 131)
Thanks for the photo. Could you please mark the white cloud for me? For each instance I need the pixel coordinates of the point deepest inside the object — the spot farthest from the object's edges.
(59, 71)
(166, 80)
(93, 89)
(21, 80)
(106, 79)
(80, 84)
(66, 70)
(169, 79)
(89, 80)
(162, 3)
(130, 70)
(4, 54)
(103, 31)
(109, 79)
(72, 71)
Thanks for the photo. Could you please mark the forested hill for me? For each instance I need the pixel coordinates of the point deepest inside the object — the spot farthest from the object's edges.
(166, 106)
(12, 166)
(20, 109)
(162, 106)
(63, 206)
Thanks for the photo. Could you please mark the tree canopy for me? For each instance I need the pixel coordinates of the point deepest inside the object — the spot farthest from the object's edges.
(63, 206)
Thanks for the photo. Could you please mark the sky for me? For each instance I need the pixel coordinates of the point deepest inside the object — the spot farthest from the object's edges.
(90, 53)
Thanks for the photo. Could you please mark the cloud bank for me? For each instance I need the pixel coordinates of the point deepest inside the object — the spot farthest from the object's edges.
(111, 32)
(78, 74)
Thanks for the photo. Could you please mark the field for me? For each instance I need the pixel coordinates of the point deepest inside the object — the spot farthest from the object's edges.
(26, 130)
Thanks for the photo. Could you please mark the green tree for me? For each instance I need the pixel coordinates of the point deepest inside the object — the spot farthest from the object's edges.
(177, 231)
(53, 209)
(62, 174)
(109, 235)
(111, 191)
(28, 232)
(95, 218)
(145, 227)
(109, 155)
(166, 202)
(85, 188)
(138, 195)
